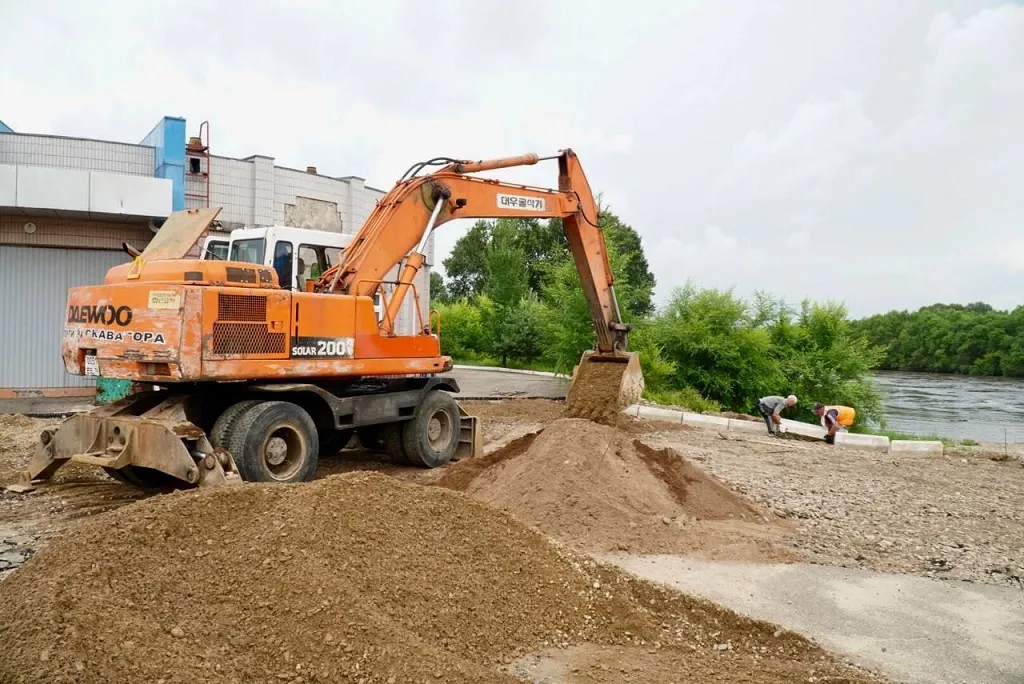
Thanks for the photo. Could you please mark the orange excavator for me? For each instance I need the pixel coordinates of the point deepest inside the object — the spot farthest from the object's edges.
(249, 381)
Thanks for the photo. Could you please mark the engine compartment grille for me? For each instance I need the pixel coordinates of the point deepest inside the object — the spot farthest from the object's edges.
(246, 338)
(241, 327)
(248, 308)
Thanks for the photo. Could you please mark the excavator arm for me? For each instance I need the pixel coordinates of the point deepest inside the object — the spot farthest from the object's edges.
(402, 221)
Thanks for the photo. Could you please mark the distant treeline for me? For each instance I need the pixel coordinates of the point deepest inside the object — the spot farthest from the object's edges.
(949, 338)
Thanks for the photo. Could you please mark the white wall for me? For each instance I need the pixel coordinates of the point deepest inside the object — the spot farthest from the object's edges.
(72, 192)
(76, 153)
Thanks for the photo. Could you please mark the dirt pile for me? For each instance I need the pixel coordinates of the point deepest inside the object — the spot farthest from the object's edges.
(18, 437)
(595, 487)
(351, 578)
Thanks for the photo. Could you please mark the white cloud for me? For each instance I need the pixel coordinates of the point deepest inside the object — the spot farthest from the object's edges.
(865, 151)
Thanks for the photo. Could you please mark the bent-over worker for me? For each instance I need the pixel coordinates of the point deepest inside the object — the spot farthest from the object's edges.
(770, 409)
(834, 419)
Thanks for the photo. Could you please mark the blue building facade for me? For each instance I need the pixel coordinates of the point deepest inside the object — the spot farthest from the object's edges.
(168, 139)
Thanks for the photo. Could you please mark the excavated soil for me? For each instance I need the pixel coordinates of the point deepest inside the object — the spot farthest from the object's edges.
(596, 488)
(355, 578)
(595, 392)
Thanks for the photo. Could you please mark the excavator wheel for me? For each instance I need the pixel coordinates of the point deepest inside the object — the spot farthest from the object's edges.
(274, 441)
(432, 436)
(224, 426)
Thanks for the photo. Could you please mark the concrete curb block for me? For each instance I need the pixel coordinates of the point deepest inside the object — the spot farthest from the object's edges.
(916, 447)
(736, 425)
(517, 371)
(872, 442)
(803, 429)
(846, 439)
(657, 413)
(699, 420)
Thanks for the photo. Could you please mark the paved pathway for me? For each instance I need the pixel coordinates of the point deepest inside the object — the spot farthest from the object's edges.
(485, 383)
(914, 629)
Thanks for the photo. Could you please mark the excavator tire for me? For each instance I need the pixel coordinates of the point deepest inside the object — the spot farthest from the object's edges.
(223, 428)
(385, 438)
(334, 442)
(274, 441)
(432, 436)
(393, 444)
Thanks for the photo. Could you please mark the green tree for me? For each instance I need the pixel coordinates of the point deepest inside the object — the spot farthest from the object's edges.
(466, 265)
(635, 269)
(438, 290)
(948, 338)
(505, 266)
(518, 335)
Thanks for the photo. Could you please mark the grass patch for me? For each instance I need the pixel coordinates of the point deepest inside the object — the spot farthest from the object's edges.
(906, 436)
(685, 398)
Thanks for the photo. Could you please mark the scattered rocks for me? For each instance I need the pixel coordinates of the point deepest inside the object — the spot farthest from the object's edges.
(14, 551)
(861, 509)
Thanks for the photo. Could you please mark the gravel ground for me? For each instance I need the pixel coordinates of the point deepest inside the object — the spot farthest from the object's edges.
(957, 516)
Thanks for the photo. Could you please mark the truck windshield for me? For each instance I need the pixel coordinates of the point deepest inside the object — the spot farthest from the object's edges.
(250, 251)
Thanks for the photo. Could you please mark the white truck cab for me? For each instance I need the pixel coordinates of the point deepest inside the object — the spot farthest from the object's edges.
(297, 254)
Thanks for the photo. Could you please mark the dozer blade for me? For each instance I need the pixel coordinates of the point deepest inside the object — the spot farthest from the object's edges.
(471, 439)
(604, 384)
(156, 448)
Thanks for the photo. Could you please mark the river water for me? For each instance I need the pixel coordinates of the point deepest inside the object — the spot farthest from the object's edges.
(954, 406)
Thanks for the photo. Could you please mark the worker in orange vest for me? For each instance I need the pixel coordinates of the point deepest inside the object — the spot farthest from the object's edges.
(834, 419)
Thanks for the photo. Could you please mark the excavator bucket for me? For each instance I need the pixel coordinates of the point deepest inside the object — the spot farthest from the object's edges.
(604, 384)
(139, 441)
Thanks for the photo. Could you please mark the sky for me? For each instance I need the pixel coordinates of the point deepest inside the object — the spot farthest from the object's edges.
(863, 151)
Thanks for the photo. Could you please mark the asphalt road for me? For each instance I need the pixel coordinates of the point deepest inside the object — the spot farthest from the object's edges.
(913, 629)
(490, 383)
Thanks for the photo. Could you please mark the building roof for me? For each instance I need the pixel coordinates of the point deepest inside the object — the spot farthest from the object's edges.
(4, 128)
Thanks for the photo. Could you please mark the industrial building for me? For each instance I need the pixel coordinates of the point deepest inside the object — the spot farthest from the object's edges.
(67, 204)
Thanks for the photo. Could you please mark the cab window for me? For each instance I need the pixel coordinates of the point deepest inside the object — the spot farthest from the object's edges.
(283, 264)
(313, 261)
(249, 251)
(217, 249)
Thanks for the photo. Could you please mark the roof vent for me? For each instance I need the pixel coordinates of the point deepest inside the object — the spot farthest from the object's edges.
(310, 169)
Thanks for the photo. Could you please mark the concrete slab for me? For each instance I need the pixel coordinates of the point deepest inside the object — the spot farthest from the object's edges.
(914, 629)
(46, 406)
(916, 447)
(857, 441)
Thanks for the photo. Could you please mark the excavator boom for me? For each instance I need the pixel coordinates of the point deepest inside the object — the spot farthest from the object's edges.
(403, 219)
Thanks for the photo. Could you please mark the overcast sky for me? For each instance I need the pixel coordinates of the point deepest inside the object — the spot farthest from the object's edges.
(869, 151)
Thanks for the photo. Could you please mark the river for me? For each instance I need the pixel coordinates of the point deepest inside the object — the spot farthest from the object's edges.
(954, 406)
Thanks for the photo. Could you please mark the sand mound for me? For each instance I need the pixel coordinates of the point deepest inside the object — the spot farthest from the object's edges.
(595, 487)
(355, 578)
